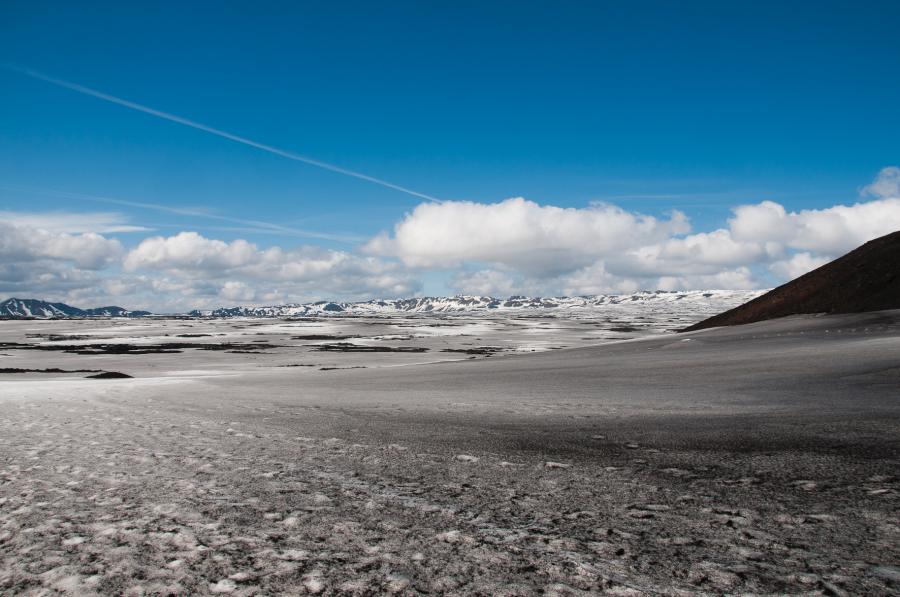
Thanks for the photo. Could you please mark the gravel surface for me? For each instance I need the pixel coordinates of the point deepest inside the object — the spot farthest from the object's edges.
(754, 460)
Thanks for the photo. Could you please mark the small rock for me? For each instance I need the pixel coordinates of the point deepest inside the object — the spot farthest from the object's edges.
(453, 537)
(466, 458)
(657, 507)
(223, 586)
(313, 584)
(397, 583)
(550, 464)
(643, 514)
(295, 554)
(806, 578)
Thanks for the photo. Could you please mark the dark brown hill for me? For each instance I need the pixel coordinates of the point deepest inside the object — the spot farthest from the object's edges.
(865, 279)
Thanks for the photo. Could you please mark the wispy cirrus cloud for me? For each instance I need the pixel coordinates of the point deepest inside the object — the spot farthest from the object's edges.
(245, 224)
(214, 131)
(72, 222)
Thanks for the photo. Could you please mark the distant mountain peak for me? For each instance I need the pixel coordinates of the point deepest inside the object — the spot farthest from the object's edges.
(16, 308)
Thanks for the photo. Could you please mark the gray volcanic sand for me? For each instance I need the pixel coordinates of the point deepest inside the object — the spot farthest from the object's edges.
(761, 459)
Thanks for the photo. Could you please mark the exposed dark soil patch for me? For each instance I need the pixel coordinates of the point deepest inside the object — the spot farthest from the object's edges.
(337, 368)
(485, 350)
(192, 335)
(348, 347)
(166, 348)
(58, 337)
(110, 375)
(322, 337)
(623, 328)
(52, 370)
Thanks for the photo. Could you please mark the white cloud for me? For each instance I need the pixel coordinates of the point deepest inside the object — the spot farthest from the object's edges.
(541, 240)
(830, 231)
(189, 251)
(516, 245)
(796, 266)
(218, 272)
(26, 244)
(885, 185)
(509, 247)
(595, 279)
(486, 283)
(733, 279)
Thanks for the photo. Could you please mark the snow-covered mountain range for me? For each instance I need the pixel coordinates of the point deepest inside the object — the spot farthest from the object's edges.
(16, 308)
(702, 301)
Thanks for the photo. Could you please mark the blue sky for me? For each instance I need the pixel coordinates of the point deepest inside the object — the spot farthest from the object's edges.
(652, 106)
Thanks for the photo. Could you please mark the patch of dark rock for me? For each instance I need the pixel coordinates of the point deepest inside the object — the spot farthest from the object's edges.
(338, 368)
(624, 328)
(52, 370)
(136, 349)
(109, 375)
(322, 337)
(485, 350)
(58, 337)
(192, 335)
(348, 347)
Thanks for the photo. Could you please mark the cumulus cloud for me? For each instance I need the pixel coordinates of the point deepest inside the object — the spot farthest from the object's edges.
(19, 243)
(886, 184)
(239, 271)
(191, 252)
(830, 231)
(797, 265)
(518, 244)
(521, 234)
(49, 263)
(186, 271)
(514, 246)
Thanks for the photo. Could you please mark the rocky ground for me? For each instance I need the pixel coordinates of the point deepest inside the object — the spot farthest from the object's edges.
(754, 460)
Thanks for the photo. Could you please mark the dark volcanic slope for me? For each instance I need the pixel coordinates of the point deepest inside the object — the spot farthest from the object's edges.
(866, 279)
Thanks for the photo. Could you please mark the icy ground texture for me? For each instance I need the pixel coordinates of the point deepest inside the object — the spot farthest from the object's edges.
(755, 460)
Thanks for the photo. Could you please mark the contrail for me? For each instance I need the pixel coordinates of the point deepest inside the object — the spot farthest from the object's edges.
(260, 225)
(214, 131)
